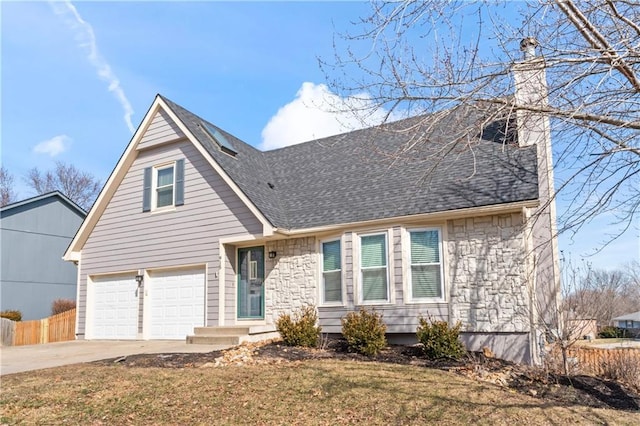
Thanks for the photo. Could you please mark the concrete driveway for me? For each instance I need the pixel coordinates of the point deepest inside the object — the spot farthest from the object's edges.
(15, 359)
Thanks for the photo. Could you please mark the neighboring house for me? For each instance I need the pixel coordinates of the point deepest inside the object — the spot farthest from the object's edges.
(34, 236)
(629, 321)
(196, 228)
(579, 329)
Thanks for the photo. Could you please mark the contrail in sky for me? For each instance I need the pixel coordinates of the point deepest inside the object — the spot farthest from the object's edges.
(84, 32)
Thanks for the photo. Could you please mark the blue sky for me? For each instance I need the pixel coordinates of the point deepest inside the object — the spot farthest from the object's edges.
(77, 76)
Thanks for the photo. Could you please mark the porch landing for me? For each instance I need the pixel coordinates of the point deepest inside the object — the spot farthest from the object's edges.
(232, 334)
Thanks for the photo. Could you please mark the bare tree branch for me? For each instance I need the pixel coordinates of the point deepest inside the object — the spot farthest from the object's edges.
(598, 41)
(427, 57)
(7, 194)
(81, 187)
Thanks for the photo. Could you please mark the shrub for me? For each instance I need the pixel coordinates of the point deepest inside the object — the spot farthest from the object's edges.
(62, 305)
(623, 366)
(364, 332)
(610, 332)
(301, 330)
(13, 315)
(439, 340)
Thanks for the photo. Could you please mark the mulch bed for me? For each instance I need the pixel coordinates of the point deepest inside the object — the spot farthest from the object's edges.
(557, 389)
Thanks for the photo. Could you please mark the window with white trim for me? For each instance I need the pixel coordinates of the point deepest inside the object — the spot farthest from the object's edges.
(331, 272)
(374, 275)
(164, 181)
(163, 186)
(425, 265)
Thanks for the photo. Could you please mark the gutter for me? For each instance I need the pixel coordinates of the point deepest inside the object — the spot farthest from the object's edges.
(447, 214)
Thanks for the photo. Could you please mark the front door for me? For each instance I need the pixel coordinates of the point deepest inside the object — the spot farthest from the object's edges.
(251, 283)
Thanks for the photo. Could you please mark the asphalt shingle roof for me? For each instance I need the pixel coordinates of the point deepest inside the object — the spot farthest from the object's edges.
(368, 174)
(635, 316)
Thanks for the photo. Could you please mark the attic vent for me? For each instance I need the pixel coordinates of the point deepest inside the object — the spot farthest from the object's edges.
(219, 139)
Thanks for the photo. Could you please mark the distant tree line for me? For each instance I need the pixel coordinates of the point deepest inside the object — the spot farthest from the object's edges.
(606, 294)
(81, 187)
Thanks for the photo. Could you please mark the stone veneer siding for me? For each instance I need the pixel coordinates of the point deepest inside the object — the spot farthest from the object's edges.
(291, 279)
(487, 273)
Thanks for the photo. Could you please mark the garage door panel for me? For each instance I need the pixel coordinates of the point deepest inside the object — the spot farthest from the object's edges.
(177, 301)
(115, 308)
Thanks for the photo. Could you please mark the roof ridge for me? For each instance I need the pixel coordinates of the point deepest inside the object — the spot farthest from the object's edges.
(42, 196)
(390, 125)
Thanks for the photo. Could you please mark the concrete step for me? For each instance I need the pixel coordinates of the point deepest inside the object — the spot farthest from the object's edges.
(231, 340)
(222, 331)
(231, 334)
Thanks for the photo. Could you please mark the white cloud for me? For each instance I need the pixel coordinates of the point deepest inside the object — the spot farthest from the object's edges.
(54, 146)
(315, 113)
(87, 38)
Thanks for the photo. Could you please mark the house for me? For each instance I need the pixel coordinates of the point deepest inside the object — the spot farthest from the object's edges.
(581, 328)
(629, 321)
(197, 232)
(35, 234)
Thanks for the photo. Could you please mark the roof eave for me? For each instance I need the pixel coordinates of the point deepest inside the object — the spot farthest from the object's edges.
(116, 176)
(634, 316)
(39, 197)
(441, 215)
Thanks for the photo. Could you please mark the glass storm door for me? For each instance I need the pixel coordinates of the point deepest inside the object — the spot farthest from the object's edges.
(251, 283)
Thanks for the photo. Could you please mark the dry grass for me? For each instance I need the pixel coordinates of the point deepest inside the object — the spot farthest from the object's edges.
(309, 393)
(596, 342)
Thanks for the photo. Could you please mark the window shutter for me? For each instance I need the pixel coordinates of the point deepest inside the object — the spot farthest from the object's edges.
(179, 182)
(146, 190)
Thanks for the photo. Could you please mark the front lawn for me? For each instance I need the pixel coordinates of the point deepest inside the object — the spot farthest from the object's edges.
(299, 392)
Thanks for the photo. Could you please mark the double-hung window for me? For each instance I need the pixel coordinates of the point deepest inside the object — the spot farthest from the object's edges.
(164, 183)
(374, 276)
(163, 186)
(425, 264)
(331, 272)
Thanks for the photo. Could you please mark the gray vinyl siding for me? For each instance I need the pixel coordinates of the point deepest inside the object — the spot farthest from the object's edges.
(34, 238)
(127, 239)
(348, 267)
(399, 318)
(230, 285)
(161, 130)
(396, 268)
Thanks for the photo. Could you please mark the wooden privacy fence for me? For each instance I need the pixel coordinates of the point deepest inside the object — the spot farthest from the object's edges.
(57, 328)
(8, 329)
(596, 361)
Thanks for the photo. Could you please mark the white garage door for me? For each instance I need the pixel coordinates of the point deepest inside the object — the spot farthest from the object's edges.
(114, 312)
(177, 302)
